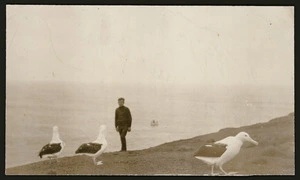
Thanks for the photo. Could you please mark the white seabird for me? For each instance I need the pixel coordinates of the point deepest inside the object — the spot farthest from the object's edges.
(220, 152)
(95, 148)
(54, 148)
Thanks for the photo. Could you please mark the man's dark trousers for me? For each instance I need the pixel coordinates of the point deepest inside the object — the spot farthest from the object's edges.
(123, 131)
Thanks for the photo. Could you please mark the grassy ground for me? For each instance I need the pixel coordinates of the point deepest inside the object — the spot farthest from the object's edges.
(273, 156)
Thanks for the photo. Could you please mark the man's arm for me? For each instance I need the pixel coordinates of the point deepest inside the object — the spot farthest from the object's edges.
(116, 118)
(129, 118)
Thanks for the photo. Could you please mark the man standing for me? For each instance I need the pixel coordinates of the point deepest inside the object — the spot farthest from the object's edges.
(123, 121)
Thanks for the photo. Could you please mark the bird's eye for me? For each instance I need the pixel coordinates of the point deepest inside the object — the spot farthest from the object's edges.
(245, 135)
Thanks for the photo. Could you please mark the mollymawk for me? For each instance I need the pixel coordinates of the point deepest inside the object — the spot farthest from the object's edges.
(54, 148)
(220, 152)
(95, 148)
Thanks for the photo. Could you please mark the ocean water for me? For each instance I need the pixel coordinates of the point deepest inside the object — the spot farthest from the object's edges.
(79, 109)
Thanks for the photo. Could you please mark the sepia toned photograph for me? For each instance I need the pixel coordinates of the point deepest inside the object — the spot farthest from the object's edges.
(149, 90)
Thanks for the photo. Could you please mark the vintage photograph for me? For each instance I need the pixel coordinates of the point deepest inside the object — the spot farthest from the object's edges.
(149, 90)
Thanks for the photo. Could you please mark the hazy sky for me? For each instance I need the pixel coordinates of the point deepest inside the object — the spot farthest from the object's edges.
(176, 45)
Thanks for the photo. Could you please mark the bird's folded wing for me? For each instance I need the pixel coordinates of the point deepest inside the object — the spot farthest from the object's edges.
(211, 150)
(50, 148)
(225, 141)
(89, 148)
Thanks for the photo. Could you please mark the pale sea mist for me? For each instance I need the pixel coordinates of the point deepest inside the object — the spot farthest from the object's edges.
(79, 109)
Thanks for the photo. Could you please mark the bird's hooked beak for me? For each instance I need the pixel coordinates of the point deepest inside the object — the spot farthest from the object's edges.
(252, 141)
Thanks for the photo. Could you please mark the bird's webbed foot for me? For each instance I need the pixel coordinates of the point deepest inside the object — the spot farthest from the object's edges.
(215, 174)
(99, 163)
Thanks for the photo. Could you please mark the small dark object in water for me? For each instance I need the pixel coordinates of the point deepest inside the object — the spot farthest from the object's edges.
(154, 123)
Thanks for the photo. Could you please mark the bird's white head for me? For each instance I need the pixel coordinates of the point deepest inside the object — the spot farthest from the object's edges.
(55, 129)
(102, 134)
(55, 135)
(103, 129)
(243, 136)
